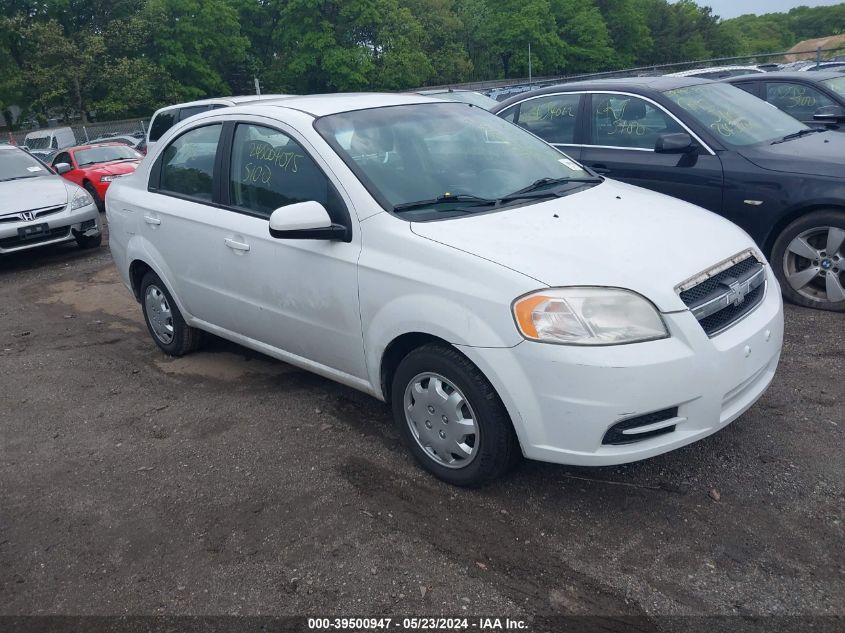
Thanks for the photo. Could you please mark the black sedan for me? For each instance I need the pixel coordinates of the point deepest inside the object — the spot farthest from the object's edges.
(816, 98)
(718, 147)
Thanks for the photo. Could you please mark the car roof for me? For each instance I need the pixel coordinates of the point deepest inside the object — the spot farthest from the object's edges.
(76, 148)
(713, 69)
(325, 104)
(641, 84)
(235, 100)
(819, 75)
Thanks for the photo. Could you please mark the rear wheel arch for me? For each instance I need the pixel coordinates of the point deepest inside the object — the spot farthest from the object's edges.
(137, 270)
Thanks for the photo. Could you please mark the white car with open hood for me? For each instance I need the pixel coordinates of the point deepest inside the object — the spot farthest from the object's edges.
(504, 300)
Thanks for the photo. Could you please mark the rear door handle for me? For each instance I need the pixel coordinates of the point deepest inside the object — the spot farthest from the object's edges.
(235, 246)
(151, 220)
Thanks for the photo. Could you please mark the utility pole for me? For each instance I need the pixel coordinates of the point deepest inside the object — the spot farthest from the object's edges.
(529, 61)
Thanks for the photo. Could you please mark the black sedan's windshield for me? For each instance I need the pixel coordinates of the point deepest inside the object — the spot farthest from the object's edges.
(105, 155)
(430, 159)
(733, 116)
(16, 164)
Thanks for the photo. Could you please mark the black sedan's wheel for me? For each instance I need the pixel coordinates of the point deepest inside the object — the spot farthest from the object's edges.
(451, 417)
(91, 189)
(809, 260)
(164, 321)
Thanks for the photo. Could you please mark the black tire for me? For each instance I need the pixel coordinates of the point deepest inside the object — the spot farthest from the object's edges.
(496, 448)
(185, 339)
(96, 196)
(89, 242)
(814, 227)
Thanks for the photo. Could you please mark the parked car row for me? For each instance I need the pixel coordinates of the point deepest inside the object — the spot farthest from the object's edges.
(488, 285)
(717, 147)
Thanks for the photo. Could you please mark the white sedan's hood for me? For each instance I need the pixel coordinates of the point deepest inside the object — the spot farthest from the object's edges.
(32, 193)
(610, 235)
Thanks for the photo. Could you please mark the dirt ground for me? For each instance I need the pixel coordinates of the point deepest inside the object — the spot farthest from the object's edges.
(230, 483)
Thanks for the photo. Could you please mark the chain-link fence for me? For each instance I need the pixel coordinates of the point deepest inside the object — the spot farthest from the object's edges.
(88, 132)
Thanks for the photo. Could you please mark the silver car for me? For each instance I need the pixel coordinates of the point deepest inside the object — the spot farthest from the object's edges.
(38, 208)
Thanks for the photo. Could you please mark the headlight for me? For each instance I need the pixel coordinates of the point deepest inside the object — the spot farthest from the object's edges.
(588, 316)
(81, 199)
(107, 178)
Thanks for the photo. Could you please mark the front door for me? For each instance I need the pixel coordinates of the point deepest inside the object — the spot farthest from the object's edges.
(623, 130)
(300, 296)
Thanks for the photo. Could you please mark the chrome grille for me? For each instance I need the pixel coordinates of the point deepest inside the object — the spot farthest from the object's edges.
(36, 213)
(726, 293)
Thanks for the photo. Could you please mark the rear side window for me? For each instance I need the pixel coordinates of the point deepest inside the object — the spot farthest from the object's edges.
(270, 170)
(187, 167)
(184, 113)
(749, 86)
(161, 123)
(551, 118)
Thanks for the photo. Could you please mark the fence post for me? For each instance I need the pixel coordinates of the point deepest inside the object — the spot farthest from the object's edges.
(143, 128)
(85, 129)
(818, 56)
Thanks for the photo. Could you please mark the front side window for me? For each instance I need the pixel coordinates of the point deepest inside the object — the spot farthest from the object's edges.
(270, 170)
(187, 166)
(797, 100)
(732, 115)
(439, 159)
(64, 157)
(625, 121)
(551, 118)
(162, 122)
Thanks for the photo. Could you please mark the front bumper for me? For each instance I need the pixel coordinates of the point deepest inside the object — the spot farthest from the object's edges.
(63, 226)
(563, 399)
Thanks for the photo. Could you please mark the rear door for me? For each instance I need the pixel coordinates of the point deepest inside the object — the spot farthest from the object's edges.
(622, 131)
(178, 218)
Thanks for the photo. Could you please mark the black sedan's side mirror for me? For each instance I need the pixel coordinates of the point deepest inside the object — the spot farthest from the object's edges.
(830, 114)
(676, 143)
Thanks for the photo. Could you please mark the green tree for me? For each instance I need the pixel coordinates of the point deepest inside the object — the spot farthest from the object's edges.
(584, 33)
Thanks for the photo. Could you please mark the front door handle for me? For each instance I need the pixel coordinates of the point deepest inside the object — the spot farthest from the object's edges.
(235, 246)
(151, 220)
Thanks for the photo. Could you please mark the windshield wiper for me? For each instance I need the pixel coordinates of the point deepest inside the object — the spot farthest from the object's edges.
(457, 198)
(534, 190)
(17, 178)
(797, 134)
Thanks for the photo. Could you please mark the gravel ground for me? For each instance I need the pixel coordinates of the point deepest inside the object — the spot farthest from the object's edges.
(229, 483)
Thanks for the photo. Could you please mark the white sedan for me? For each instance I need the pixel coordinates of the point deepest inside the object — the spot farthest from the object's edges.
(504, 300)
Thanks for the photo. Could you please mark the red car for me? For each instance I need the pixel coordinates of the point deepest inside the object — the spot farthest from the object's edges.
(95, 166)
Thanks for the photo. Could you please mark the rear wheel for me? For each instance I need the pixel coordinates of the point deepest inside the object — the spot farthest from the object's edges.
(164, 320)
(451, 417)
(809, 260)
(91, 189)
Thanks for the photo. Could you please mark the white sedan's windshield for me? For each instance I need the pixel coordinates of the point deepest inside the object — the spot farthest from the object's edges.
(734, 116)
(413, 153)
(16, 164)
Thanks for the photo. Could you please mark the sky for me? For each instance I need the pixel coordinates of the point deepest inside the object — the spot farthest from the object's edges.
(733, 8)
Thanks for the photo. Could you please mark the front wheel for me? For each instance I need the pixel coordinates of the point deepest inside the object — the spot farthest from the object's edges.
(451, 417)
(808, 258)
(92, 190)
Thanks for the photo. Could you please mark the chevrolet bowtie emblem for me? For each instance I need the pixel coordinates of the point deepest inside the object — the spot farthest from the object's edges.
(738, 291)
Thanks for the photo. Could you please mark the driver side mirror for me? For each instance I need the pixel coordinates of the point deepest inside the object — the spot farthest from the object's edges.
(61, 168)
(830, 114)
(677, 143)
(306, 221)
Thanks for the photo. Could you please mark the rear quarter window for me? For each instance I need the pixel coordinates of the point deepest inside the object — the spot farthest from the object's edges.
(162, 122)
